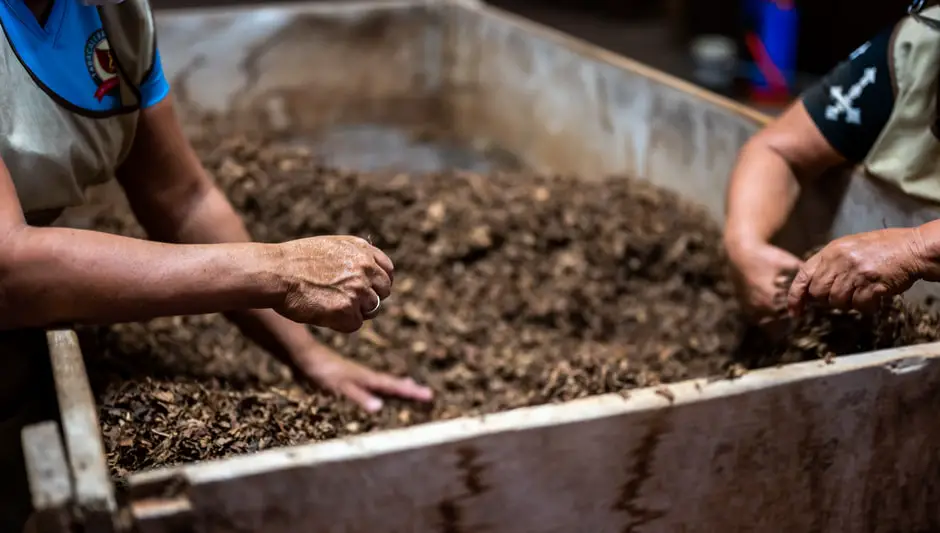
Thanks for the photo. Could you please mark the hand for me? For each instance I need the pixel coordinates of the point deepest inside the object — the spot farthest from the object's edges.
(858, 271)
(760, 272)
(343, 377)
(335, 282)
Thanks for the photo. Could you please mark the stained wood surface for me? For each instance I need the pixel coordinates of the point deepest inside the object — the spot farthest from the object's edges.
(50, 480)
(93, 490)
(848, 446)
(811, 447)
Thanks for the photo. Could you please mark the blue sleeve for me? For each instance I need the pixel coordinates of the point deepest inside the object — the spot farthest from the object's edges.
(155, 87)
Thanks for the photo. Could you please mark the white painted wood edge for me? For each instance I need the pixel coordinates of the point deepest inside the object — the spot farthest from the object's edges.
(903, 359)
(50, 482)
(290, 9)
(80, 428)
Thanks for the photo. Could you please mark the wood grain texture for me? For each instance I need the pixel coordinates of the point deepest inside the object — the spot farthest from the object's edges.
(809, 447)
(50, 481)
(94, 493)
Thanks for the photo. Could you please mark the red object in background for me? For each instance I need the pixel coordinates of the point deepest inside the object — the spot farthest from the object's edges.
(771, 41)
(776, 91)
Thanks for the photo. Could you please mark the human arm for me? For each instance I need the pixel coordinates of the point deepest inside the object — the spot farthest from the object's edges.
(175, 200)
(54, 275)
(767, 177)
(764, 188)
(51, 276)
(859, 271)
(814, 135)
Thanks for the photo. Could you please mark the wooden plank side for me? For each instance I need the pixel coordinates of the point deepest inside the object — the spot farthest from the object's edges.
(564, 105)
(305, 66)
(94, 492)
(809, 447)
(50, 481)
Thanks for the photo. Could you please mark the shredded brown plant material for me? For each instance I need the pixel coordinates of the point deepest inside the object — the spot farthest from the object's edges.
(511, 290)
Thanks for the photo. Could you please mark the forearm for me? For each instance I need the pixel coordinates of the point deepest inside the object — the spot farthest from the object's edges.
(175, 201)
(927, 247)
(212, 220)
(762, 194)
(55, 275)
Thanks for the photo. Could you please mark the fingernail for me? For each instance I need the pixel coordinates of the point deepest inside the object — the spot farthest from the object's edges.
(373, 405)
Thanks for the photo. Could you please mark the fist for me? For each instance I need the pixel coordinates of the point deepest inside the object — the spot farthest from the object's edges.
(335, 282)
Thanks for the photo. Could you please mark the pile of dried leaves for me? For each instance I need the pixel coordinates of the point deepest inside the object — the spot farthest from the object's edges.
(511, 290)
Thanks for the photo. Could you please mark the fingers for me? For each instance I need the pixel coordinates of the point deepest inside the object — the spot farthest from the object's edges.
(350, 322)
(796, 298)
(785, 262)
(365, 304)
(381, 283)
(778, 302)
(361, 396)
(868, 298)
(827, 280)
(361, 391)
(401, 387)
(384, 262)
(369, 304)
(821, 285)
(840, 293)
(383, 273)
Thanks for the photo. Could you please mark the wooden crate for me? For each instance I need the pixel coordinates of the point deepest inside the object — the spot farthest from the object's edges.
(811, 447)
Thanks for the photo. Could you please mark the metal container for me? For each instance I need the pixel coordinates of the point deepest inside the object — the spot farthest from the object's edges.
(850, 445)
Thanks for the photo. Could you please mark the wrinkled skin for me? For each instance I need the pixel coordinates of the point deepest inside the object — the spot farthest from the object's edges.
(858, 271)
(333, 282)
(346, 290)
(343, 293)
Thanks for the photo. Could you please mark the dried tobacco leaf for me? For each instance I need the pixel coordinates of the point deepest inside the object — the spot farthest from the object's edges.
(512, 289)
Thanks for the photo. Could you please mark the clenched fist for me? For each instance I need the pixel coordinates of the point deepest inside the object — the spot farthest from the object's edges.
(335, 282)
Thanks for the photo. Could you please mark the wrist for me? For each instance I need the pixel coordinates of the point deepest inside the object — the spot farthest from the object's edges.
(737, 240)
(266, 275)
(926, 250)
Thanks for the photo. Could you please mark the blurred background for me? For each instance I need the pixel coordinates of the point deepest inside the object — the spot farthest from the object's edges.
(762, 52)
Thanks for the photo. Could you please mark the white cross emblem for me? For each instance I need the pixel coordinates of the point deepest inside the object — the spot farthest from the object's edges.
(843, 102)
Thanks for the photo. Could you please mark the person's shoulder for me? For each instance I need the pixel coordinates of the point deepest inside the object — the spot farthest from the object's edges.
(852, 103)
(913, 49)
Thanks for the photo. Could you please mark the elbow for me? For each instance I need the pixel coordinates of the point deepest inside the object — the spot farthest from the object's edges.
(762, 146)
(765, 159)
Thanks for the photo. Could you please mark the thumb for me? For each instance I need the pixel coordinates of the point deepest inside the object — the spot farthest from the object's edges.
(796, 296)
(785, 259)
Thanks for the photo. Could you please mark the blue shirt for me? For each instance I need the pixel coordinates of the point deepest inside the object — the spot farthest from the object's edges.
(68, 57)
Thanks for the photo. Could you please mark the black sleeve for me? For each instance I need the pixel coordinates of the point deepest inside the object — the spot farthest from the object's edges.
(853, 102)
